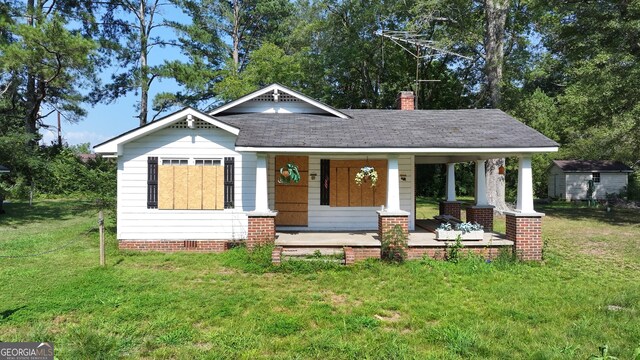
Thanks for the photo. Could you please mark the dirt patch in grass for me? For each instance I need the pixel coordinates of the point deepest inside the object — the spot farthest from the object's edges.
(390, 317)
(341, 300)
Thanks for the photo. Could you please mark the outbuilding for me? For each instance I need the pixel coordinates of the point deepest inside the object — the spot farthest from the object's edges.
(569, 179)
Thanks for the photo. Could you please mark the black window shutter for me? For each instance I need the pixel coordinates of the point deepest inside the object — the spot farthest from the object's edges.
(324, 181)
(152, 182)
(229, 178)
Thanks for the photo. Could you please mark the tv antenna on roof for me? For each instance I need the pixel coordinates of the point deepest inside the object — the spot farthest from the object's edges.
(422, 44)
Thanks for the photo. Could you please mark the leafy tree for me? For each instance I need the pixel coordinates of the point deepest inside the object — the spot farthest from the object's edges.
(248, 24)
(129, 34)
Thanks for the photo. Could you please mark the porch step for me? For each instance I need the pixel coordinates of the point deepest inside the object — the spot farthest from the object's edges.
(311, 251)
(314, 254)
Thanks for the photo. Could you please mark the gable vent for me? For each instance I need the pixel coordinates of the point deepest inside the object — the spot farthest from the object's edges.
(199, 124)
(282, 97)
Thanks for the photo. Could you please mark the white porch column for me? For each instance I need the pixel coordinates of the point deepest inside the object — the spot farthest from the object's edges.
(451, 182)
(524, 202)
(393, 184)
(481, 184)
(262, 204)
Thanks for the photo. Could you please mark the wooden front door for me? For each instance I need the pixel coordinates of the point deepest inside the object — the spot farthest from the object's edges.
(292, 199)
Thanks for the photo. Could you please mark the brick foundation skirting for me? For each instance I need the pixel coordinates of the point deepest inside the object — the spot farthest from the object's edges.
(276, 255)
(483, 215)
(262, 231)
(526, 234)
(205, 246)
(355, 254)
(451, 208)
(490, 253)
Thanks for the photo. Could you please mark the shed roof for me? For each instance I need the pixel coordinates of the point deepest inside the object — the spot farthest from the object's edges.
(3, 169)
(474, 128)
(591, 166)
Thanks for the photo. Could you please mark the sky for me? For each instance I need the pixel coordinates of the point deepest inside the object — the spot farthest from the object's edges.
(105, 121)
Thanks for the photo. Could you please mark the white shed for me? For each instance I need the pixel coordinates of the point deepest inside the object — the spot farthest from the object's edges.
(569, 179)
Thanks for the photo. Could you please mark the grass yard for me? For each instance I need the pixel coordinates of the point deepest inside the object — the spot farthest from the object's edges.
(235, 305)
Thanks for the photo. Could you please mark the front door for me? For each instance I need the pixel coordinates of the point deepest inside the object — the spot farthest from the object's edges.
(292, 199)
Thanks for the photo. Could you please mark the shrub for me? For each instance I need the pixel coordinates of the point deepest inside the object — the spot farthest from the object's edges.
(394, 243)
(454, 251)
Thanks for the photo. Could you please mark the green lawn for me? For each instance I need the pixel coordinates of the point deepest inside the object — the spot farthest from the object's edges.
(235, 305)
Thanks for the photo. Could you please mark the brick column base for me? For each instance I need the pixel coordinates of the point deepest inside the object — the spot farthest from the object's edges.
(483, 215)
(451, 208)
(276, 255)
(525, 230)
(262, 229)
(387, 220)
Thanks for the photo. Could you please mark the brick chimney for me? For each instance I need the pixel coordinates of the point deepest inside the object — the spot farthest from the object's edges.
(407, 100)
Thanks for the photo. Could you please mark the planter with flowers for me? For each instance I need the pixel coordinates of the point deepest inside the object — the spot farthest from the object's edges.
(466, 231)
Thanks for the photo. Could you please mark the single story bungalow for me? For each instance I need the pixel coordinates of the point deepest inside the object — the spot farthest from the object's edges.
(569, 179)
(198, 181)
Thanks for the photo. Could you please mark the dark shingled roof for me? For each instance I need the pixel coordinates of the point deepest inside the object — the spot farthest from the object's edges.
(591, 165)
(480, 128)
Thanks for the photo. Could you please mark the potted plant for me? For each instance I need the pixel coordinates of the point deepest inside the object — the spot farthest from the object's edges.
(289, 174)
(365, 174)
(466, 231)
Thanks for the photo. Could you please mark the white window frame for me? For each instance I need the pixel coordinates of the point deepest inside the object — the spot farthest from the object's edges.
(208, 161)
(174, 161)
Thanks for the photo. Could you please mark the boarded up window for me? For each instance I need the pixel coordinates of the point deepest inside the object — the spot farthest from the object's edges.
(343, 188)
(193, 187)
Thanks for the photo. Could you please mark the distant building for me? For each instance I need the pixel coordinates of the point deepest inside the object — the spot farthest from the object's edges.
(569, 179)
(3, 169)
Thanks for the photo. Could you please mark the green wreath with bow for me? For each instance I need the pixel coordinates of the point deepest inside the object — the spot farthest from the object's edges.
(289, 174)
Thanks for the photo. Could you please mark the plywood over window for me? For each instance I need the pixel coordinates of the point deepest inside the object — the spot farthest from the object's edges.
(343, 188)
(191, 187)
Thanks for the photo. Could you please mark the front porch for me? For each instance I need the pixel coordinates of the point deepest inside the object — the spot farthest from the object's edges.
(366, 244)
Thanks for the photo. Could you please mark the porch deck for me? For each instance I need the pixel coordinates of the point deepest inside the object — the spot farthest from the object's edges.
(418, 238)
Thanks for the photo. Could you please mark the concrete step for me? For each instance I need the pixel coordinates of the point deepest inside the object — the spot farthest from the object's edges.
(318, 259)
(311, 251)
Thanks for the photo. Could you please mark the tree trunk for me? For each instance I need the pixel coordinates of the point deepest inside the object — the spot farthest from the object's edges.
(495, 12)
(31, 115)
(236, 34)
(144, 71)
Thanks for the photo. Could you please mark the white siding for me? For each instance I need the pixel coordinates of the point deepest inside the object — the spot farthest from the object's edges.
(610, 183)
(576, 186)
(270, 107)
(324, 217)
(136, 222)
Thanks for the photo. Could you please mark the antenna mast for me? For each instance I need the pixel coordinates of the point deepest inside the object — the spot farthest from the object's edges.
(408, 39)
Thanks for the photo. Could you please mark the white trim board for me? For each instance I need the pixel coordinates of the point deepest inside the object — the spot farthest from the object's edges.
(416, 151)
(114, 146)
(279, 88)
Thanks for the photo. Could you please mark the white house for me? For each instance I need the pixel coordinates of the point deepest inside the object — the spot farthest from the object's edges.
(195, 181)
(569, 179)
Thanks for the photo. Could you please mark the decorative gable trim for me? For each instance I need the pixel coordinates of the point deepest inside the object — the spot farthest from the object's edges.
(283, 94)
(188, 117)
